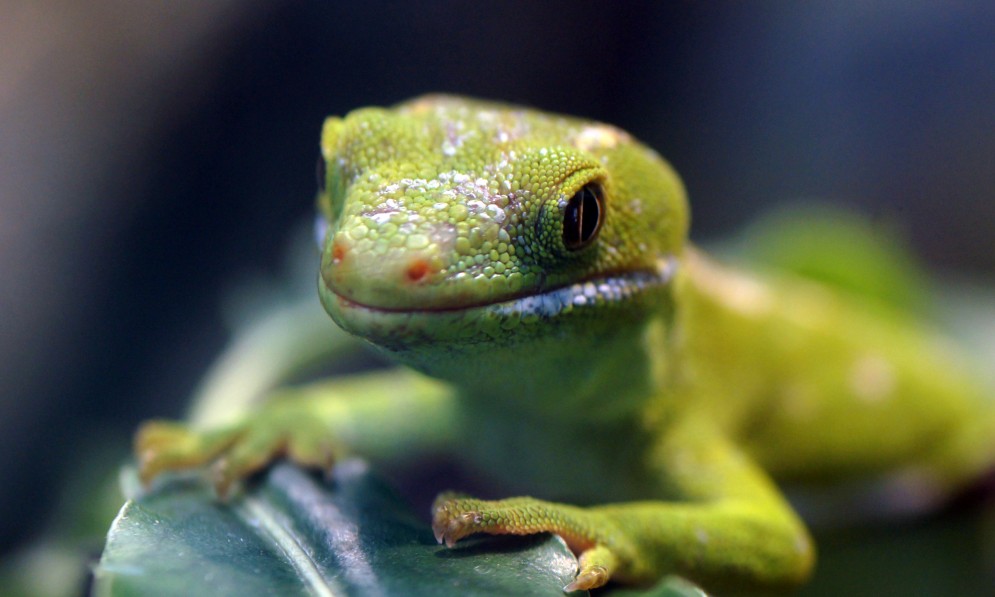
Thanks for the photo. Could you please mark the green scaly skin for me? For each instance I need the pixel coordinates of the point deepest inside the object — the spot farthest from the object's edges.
(614, 366)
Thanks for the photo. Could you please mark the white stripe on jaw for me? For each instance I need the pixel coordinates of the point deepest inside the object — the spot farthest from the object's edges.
(610, 289)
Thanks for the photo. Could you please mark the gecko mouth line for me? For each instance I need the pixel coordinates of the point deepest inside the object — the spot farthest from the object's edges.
(610, 288)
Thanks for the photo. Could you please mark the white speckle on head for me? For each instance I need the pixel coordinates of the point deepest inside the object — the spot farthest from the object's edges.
(443, 235)
(598, 136)
(872, 378)
(417, 241)
(381, 218)
(496, 213)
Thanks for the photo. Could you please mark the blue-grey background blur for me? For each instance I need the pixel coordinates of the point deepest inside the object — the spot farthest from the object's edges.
(151, 153)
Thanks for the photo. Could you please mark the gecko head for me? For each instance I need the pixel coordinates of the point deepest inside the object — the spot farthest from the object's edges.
(471, 223)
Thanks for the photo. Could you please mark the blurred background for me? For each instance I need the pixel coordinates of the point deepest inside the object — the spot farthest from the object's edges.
(154, 154)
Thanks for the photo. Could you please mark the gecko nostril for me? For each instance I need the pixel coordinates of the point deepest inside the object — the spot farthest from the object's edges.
(417, 270)
(338, 252)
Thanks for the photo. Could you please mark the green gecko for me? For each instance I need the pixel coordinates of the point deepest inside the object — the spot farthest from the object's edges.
(533, 271)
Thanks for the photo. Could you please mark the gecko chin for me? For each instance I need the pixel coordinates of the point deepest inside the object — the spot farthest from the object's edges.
(511, 321)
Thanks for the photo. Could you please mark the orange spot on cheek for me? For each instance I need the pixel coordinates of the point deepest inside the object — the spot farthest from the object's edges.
(417, 270)
(338, 252)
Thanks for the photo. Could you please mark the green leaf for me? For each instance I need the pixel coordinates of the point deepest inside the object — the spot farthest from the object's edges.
(291, 534)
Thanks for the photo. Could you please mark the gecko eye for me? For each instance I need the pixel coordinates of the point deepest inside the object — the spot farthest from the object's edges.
(583, 217)
(321, 173)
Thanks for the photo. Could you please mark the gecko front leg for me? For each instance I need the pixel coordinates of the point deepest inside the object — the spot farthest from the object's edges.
(726, 526)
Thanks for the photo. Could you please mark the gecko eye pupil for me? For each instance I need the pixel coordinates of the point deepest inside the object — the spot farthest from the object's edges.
(583, 217)
(321, 174)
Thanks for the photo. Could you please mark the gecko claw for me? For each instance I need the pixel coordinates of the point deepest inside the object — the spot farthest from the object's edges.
(591, 578)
